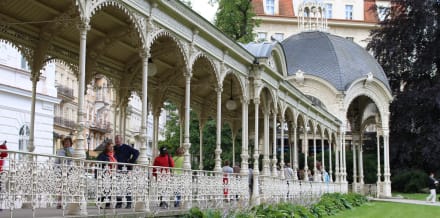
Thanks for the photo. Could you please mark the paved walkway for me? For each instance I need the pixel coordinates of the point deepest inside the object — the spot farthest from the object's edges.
(407, 201)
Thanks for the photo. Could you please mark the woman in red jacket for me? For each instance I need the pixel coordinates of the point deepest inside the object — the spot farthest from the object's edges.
(3, 155)
(163, 160)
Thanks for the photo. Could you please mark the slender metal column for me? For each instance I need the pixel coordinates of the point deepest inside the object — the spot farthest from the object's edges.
(256, 171)
(315, 169)
(266, 160)
(282, 147)
(295, 152)
(274, 146)
(306, 153)
(330, 172)
(218, 149)
(354, 167)
(35, 78)
(79, 151)
(361, 163)
(322, 154)
(201, 126)
(143, 158)
(186, 142)
(338, 159)
(244, 169)
(378, 157)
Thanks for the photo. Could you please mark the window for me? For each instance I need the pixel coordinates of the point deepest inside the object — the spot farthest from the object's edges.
(270, 7)
(261, 36)
(278, 37)
(24, 64)
(382, 12)
(23, 138)
(328, 11)
(349, 12)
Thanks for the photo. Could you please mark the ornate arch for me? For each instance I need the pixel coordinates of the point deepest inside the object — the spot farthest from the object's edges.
(165, 33)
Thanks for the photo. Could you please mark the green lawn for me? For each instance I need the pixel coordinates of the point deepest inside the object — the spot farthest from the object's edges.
(390, 210)
(412, 196)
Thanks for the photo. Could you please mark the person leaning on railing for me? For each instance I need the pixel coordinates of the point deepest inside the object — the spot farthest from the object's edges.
(3, 155)
(107, 155)
(178, 164)
(163, 160)
(66, 151)
(124, 154)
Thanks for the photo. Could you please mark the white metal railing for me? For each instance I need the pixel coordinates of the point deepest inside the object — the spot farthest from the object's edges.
(46, 181)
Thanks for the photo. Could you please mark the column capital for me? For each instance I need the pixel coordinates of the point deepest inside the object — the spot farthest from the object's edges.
(83, 25)
(219, 89)
(144, 52)
(256, 100)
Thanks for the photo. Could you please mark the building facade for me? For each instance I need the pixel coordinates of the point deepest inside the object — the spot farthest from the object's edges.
(351, 19)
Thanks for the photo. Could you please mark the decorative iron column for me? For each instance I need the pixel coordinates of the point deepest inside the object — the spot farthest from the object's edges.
(322, 155)
(266, 160)
(330, 172)
(244, 169)
(295, 151)
(378, 158)
(256, 170)
(201, 127)
(274, 145)
(361, 164)
(143, 158)
(354, 167)
(79, 151)
(338, 157)
(186, 142)
(387, 173)
(35, 78)
(282, 147)
(315, 169)
(306, 153)
(218, 148)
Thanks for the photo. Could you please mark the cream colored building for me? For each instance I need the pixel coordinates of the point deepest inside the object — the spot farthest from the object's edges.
(352, 19)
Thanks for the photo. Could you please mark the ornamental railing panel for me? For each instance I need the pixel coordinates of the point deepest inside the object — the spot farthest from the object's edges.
(40, 181)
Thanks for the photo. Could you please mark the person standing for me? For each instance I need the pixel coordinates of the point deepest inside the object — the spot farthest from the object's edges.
(227, 169)
(163, 160)
(124, 154)
(3, 155)
(432, 186)
(66, 151)
(107, 155)
(178, 163)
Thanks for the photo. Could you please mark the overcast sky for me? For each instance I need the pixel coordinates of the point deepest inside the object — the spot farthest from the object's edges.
(203, 8)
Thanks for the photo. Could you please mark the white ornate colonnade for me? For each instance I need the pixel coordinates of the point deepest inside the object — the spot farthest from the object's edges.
(195, 63)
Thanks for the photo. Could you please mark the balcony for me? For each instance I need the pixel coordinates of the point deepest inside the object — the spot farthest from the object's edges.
(103, 127)
(63, 122)
(65, 93)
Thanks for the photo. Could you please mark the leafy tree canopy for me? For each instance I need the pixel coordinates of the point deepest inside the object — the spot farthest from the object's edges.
(236, 19)
(407, 45)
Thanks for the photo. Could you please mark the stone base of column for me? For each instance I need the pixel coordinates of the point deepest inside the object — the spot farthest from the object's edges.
(76, 209)
(141, 207)
(386, 189)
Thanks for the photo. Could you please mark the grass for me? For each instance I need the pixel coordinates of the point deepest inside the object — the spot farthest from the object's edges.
(390, 210)
(412, 196)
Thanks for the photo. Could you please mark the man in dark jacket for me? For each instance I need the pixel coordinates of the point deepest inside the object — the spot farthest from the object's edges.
(124, 154)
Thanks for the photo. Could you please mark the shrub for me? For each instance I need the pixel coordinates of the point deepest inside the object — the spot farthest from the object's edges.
(409, 181)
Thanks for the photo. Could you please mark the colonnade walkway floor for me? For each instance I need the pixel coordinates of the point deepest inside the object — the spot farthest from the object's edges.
(129, 213)
(92, 213)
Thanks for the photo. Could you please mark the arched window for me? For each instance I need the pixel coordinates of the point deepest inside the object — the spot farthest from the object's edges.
(23, 138)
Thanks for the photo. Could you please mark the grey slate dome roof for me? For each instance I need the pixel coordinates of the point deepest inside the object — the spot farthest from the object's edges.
(332, 58)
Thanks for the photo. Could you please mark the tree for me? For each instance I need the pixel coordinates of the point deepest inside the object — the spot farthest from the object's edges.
(236, 19)
(407, 45)
(172, 138)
